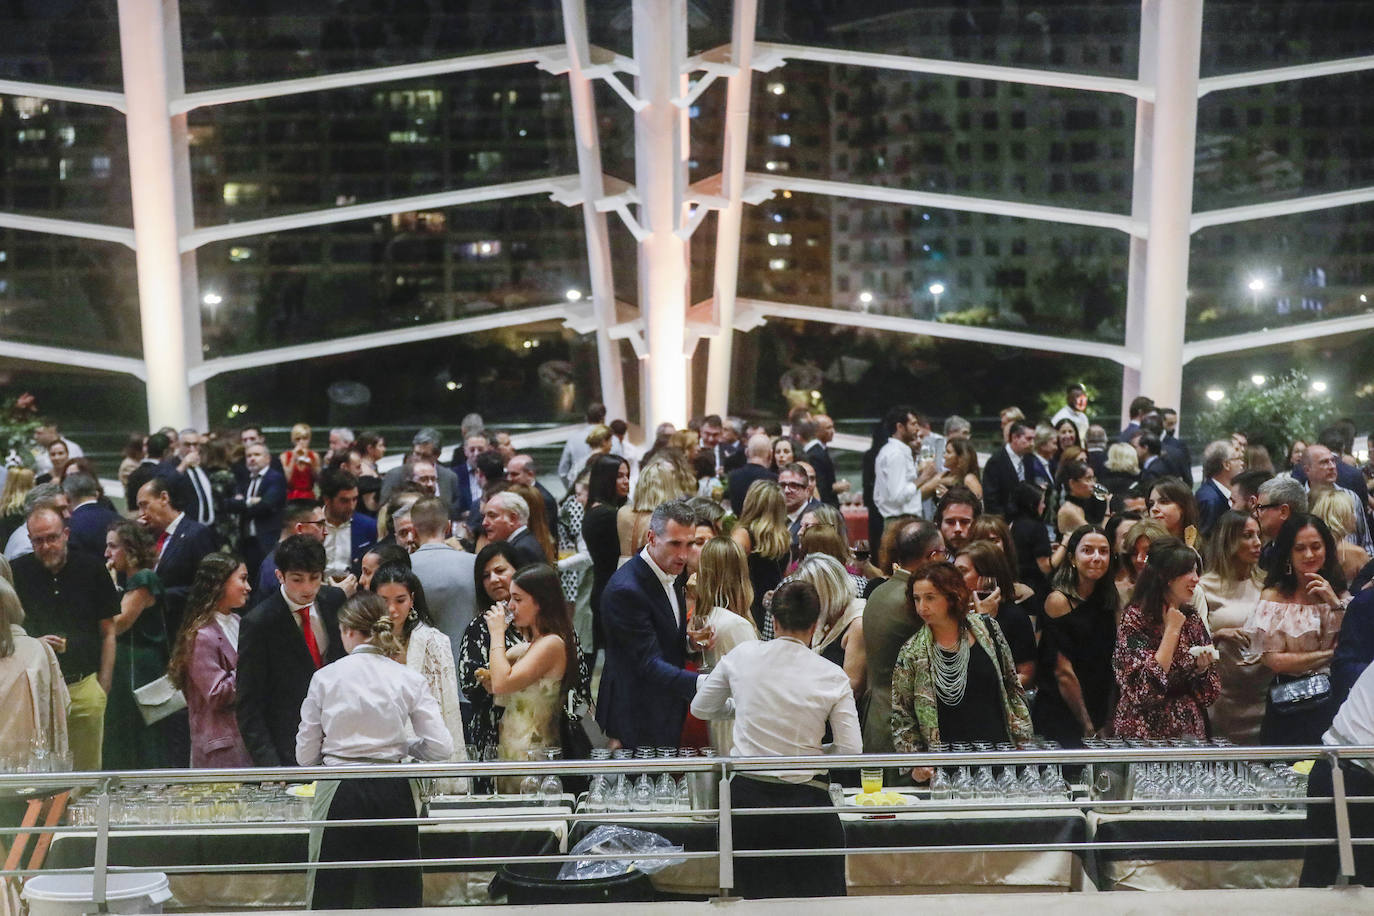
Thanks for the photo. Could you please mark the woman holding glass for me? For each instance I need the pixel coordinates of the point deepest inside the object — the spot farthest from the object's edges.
(988, 576)
(1074, 672)
(494, 569)
(1294, 629)
(1163, 659)
(140, 649)
(205, 663)
(955, 679)
(1232, 587)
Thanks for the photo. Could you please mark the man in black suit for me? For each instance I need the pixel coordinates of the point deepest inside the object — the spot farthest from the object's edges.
(757, 456)
(259, 499)
(817, 433)
(796, 497)
(158, 448)
(645, 690)
(1007, 467)
(193, 484)
(89, 519)
(1175, 449)
(181, 543)
(467, 491)
(283, 641)
(1221, 462)
(1153, 464)
(506, 518)
(248, 436)
(520, 470)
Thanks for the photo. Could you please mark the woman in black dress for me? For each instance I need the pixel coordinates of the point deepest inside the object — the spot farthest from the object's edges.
(1074, 674)
(608, 486)
(762, 532)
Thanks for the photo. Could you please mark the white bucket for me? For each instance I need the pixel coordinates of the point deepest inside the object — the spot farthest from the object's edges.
(70, 895)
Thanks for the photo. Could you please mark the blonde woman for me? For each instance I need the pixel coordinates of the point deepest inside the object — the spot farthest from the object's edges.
(839, 634)
(724, 597)
(1337, 509)
(1123, 468)
(18, 483)
(762, 534)
(301, 463)
(659, 482)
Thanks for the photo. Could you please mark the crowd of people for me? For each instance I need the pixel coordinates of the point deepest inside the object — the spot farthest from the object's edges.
(727, 585)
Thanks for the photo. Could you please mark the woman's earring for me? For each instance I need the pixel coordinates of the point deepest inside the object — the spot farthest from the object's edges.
(1290, 568)
(413, 615)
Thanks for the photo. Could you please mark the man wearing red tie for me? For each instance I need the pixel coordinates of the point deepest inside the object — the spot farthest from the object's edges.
(283, 641)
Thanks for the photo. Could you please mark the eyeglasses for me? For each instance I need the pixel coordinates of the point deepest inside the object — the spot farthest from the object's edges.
(792, 485)
(1260, 507)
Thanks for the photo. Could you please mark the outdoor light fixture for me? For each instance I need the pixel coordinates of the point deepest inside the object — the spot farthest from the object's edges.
(1215, 395)
(1319, 386)
(1257, 379)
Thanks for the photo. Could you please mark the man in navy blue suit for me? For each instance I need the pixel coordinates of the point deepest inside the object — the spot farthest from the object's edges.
(259, 500)
(645, 690)
(89, 519)
(181, 544)
(1221, 462)
(347, 533)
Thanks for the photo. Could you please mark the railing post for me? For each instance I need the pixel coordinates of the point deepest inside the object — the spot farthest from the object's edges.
(1343, 844)
(727, 840)
(102, 850)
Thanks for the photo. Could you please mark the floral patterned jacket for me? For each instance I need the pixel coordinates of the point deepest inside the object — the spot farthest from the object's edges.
(915, 710)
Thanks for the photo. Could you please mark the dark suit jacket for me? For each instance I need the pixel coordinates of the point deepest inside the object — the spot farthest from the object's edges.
(999, 479)
(274, 674)
(1156, 469)
(794, 527)
(137, 478)
(363, 534)
(731, 457)
(176, 568)
(820, 459)
(87, 528)
(550, 509)
(1211, 505)
(644, 690)
(265, 514)
(741, 479)
(463, 503)
(527, 548)
(1175, 451)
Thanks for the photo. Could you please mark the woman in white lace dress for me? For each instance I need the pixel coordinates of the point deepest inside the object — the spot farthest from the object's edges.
(427, 651)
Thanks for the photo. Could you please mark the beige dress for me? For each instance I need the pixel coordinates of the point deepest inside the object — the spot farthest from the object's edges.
(1239, 710)
(34, 698)
(530, 720)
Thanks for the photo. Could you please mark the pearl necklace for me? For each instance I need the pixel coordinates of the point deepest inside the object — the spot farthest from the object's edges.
(950, 671)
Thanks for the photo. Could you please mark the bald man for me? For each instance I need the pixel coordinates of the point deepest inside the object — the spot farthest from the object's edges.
(520, 470)
(758, 454)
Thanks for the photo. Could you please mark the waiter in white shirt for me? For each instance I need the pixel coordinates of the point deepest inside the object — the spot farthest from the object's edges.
(783, 695)
(1353, 725)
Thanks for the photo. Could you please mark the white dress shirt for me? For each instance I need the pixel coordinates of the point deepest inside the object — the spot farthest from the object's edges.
(666, 581)
(357, 711)
(784, 694)
(316, 622)
(894, 480)
(229, 626)
(1354, 722)
(338, 545)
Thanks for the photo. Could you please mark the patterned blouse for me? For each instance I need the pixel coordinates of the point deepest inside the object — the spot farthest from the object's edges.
(915, 707)
(1155, 703)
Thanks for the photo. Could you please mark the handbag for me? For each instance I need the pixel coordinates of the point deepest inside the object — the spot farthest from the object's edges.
(1300, 694)
(158, 699)
(576, 746)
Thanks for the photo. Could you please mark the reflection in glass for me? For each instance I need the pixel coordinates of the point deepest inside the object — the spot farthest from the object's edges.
(1257, 36)
(64, 160)
(68, 292)
(64, 44)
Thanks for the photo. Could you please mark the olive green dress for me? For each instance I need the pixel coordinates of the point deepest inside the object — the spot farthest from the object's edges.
(141, 654)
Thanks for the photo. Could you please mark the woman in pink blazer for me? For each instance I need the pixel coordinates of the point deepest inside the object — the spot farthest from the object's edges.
(205, 662)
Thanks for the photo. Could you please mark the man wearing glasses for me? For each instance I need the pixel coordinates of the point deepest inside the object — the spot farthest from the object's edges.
(1221, 462)
(796, 496)
(1279, 500)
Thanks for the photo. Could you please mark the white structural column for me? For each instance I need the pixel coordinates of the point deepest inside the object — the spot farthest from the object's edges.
(1140, 202)
(1160, 321)
(152, 183)
(588, 141)
(729, 220)
(660, 40)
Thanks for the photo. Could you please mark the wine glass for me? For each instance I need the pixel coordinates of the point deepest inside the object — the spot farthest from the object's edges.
(986, 586)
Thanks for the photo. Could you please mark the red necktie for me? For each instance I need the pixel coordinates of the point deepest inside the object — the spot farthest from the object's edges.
(309, 632)
(161, 541)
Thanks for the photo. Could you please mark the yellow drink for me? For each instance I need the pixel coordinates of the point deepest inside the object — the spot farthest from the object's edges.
(871, 780)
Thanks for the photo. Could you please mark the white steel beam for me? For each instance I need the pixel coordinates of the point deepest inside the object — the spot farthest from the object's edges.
(326, 81)
(1280, 208)
(751, 310)
(588, 140)
(104, 362)
(554, 185)
(1140, 201)
(1174, 131)
(729, 219)
(153, 189)
(660, 47)
(1284, 74)
(69, 228)
(770, 54)
(1119, 222)
(1271, 337)
(99, 97)
(213, 367)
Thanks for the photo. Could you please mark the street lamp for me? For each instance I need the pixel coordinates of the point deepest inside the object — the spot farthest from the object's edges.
(865, 299)
(1256, 286)
(1319, 386)
(1257, 380)
(937, 289)
(574, 295)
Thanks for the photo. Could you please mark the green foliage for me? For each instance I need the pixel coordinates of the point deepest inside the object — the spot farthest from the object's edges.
(18, 420)
(1284, 408)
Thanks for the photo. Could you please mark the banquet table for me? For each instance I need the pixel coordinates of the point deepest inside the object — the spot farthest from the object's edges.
(456, 837)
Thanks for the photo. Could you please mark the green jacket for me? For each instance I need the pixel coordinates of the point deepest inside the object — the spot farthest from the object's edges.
(915, 709)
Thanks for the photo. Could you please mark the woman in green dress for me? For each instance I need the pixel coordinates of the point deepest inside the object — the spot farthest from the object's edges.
(140, 649)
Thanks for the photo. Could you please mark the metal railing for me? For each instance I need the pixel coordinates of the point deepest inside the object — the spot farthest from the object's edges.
(32, 785)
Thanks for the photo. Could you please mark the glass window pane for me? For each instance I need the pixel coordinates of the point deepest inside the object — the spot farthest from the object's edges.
(1257, 36)
(1099, 38)
(347, 146)
(68, 292)
(65, 44)
(1268, 273)
(96, 410)
(63, 160)
(1284, 140)
(848, 365)
(372, 275)
(920, 262)
(973, 138)
(226, 42)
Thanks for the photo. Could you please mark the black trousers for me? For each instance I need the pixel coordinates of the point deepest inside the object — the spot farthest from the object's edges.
(368, 888)
(1322, 864)
(786, 876)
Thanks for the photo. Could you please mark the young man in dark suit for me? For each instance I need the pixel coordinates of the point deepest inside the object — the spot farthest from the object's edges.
(1006, 467)
(287, 637)
(645, 690)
